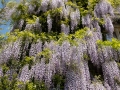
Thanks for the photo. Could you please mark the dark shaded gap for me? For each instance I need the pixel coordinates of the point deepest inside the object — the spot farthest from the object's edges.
(42, 48)
(28, 49)
(94, 71)
(21, 50)
(39, 84)
(23, 26)
(82, 3)
(58, 81)
(39, 13)
(80, 26)
(114, 35)
(43, 21)
(103, 31)
(56, 26)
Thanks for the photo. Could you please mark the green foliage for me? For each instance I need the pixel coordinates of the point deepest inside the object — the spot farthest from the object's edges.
(97, 79)
(33, 20)
(13, 64)
(114, 43)
(10, 38)
(58, 81)
(55, 12)
(19, 86)
(101, 21)
(46, 54)
(70, 38)
(65, 21)
(30, 86)
(2, 38)
(72, 4)
(15, 84)
(16, 35)
(21, 13)
(35, 2)
(118, 65)
(62, 37)
(47, 36)
(7, 84)
(28, 60)
(117, 80)
(83, 6)
(81, 3)
(30, 36)
(73, 66)
(52, 12)
(18, 64)
(5, 68)
(11, 4)
(81, 33)
(4, 83)
(83, 11)
(86, 57)
(115, 3)
(39, 85)
(86, 6)
(92, 4)
(78, 35)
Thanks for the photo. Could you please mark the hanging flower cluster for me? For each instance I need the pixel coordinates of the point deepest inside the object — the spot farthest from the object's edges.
(72, 53)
